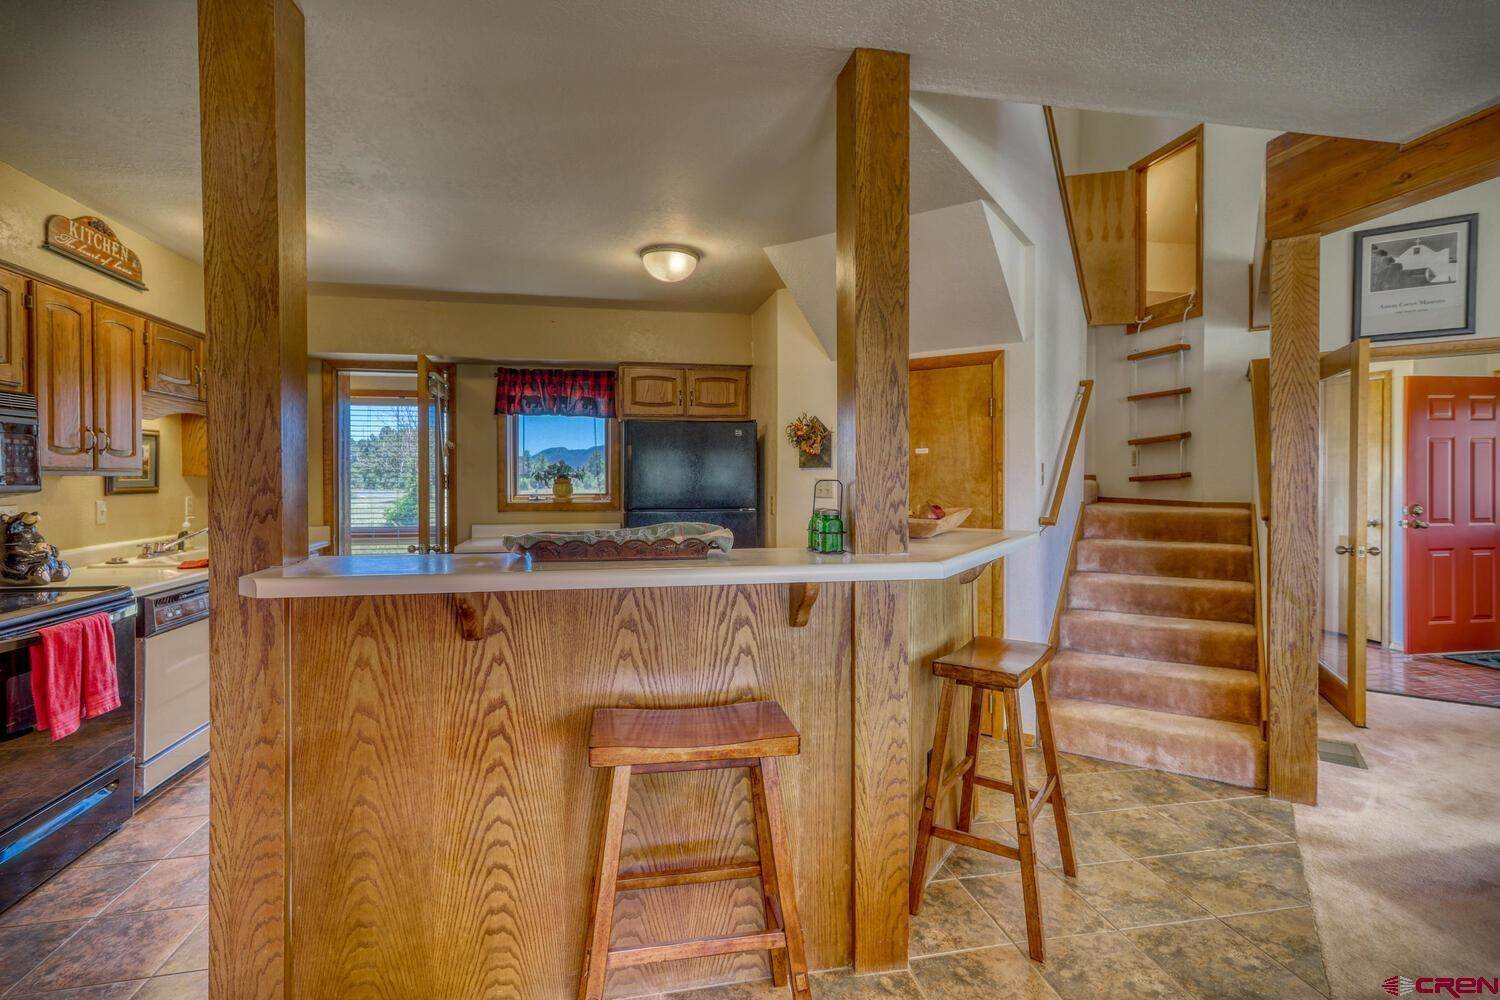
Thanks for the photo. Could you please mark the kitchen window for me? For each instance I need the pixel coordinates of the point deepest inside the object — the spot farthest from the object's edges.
(535, 448)
(552, 423)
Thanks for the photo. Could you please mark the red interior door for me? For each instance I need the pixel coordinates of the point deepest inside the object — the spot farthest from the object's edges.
(1452, 601)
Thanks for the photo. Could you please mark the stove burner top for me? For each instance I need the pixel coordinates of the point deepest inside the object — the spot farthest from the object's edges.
(21, 604)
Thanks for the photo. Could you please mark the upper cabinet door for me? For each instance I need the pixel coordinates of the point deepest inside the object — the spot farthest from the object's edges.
(13, 365)
(62, 352)
(119, 338)
(718, 392)
(174, 361)
(647, 391)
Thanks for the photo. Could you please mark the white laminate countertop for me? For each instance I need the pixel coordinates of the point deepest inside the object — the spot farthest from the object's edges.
(374, 575)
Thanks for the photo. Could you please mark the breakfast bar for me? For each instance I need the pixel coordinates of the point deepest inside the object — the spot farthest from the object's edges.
(444, 818)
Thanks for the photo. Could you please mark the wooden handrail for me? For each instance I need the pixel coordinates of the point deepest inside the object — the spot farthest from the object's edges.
(1064, 469)
(1260, 406)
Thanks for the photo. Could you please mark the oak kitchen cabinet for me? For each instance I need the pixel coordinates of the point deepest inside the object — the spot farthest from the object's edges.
(721, 392)
(87, 359)
(13, 352)
(174, 361)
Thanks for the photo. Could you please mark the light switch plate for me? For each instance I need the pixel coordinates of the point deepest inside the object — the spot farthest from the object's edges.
(101, 512)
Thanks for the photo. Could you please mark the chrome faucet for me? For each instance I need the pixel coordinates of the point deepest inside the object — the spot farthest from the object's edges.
(150, 550)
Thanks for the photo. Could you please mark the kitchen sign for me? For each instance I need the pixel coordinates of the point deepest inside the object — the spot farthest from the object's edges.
(89, 240)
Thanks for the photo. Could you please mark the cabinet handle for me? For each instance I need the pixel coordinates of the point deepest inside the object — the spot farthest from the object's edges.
(89, 439)
(104, 445)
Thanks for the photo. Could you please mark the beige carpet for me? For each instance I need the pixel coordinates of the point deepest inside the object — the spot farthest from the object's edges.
(1403, 860)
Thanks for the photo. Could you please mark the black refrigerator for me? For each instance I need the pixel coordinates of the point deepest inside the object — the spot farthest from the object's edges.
(694, 470)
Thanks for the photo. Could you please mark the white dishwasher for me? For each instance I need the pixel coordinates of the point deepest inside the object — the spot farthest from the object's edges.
(171, 696)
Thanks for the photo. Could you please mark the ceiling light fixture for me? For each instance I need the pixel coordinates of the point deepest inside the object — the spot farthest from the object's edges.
(669, 262)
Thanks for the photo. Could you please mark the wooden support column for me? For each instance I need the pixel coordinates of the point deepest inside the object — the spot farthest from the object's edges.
(1292, 647)
(873, 336)
(250, 58)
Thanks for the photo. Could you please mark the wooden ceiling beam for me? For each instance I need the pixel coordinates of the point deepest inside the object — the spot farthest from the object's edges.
(1317, 184)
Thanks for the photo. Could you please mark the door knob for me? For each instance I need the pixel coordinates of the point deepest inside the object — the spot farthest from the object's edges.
(1373, 522)
(1342, 550)
(1373, 550)
(1416, 510)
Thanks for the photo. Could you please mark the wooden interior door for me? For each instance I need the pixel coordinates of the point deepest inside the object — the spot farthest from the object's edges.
(956, 451)
(118, 344)
(1104, 220)
(1345, 553)
(1449, 518)
(435, 528)
(62, 355)
(1377, 456)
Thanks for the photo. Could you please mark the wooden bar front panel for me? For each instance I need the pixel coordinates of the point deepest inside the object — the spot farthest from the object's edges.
(445, 816)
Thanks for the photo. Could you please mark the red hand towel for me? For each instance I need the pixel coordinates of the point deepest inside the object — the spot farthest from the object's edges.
(193, 564)
(73, 674)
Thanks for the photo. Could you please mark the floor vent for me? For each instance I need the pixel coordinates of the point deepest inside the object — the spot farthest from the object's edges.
(1341, 752)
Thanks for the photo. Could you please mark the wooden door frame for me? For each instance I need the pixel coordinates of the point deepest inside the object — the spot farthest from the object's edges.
(1192, 137)
(996, 360)
(335, 456)
(1386, 524)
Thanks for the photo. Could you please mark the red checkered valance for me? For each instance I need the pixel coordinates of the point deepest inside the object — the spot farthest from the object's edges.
(560, 392)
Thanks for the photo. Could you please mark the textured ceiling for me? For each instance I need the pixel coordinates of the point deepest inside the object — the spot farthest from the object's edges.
(529, 148)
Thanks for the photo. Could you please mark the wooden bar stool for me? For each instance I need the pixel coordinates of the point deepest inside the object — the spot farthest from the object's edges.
(1003, 666)
(640, 741)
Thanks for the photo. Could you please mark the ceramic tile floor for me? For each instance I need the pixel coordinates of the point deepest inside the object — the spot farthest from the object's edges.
(1186, 888)
(128, 919)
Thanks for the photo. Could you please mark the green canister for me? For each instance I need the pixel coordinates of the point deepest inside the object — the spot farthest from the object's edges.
(825, 529)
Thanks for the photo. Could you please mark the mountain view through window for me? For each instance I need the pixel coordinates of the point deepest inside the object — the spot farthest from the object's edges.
(549, 446)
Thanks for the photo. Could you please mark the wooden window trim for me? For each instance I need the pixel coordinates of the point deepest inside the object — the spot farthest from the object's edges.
(1191, 136)
(508, 502)
(336, 457)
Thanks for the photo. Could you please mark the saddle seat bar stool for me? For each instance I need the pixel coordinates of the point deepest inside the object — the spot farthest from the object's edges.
(1003, 666)
(749, 735)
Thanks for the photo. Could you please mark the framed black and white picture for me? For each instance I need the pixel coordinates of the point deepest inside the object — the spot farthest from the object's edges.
(1415, 279)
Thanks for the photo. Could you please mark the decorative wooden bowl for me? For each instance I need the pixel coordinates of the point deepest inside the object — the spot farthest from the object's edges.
(674, 540)
(926, 527)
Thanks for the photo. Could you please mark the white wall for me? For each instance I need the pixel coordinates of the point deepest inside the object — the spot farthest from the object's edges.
(1218, 411)
(1336, 261)
(1005, 147)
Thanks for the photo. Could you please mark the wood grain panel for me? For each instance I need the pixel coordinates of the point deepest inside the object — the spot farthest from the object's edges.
(118, 343)
(1260, 405)
(446, 828)
(1320, 184)
(63, 341)
(250, 63)
(15, 339)
(1293, 556)
(941, 620)
(194, 445)
(873, 206)
(1104, 213)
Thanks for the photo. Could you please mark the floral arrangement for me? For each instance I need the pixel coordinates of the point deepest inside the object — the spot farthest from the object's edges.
(555, 471)
(808, 434)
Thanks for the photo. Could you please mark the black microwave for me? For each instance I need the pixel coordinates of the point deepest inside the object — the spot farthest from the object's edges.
(19, 426)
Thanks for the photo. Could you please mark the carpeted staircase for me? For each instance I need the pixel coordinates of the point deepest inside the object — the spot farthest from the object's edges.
(1156, 664)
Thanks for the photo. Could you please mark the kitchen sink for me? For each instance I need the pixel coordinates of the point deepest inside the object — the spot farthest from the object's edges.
(168, 561)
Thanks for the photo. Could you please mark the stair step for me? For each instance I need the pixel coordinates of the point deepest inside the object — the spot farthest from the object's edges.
(1161, 477)
(1173, 597)
(1167, 523)
(1205, 748)
(1160, 439)
(1195, 560)
(1181, 640)
(1221, 693)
